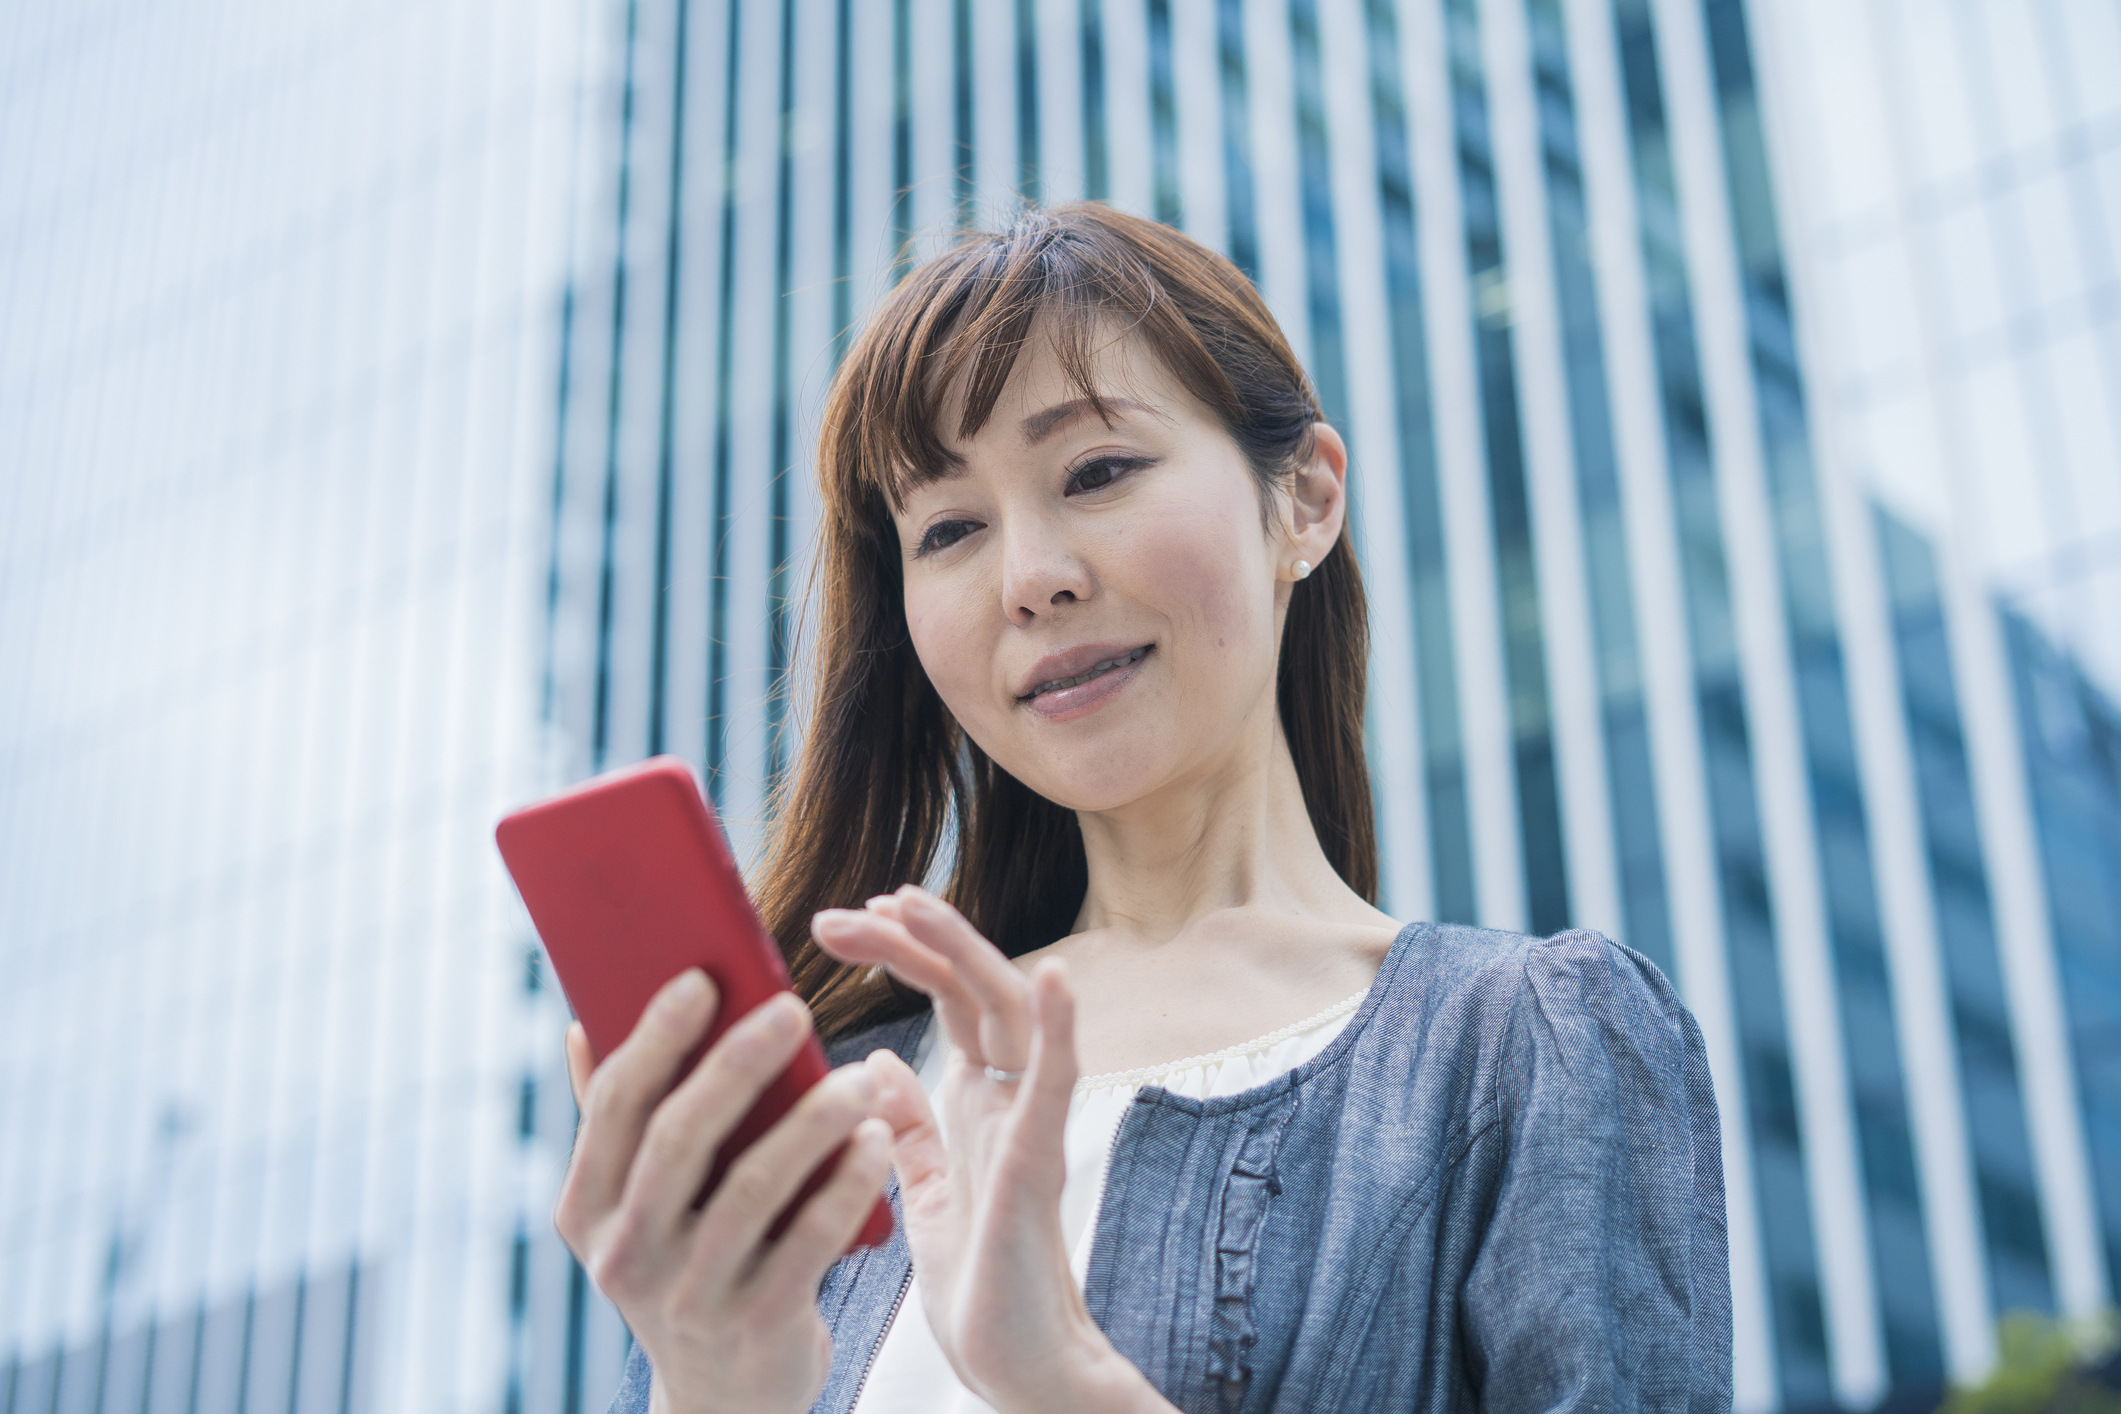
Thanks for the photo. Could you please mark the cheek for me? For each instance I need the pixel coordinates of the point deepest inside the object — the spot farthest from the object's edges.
(955, 645)
(1207, 573)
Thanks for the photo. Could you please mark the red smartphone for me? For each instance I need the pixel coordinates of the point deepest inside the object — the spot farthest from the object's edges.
(630, 881)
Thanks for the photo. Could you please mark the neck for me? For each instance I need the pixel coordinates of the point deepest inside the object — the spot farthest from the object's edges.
(1234, 838)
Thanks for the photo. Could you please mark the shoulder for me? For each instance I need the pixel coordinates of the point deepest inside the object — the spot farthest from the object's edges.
(1514, 1006)
(1456, 967)
(902, 1034)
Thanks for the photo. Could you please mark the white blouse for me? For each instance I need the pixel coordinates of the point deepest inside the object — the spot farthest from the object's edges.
(910, 1375)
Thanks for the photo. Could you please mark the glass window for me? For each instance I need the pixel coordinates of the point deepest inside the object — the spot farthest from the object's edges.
(1901, 456)
(2087, 36)
(2008, 37)
(2058, 279)
(2013, 500)
(1973, 294)
(1936, 87)
(1874, 314)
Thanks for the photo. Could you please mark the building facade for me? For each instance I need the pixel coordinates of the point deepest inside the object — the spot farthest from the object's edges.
(279, 296)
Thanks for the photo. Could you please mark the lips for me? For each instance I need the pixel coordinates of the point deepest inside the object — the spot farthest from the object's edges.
(1096, 669)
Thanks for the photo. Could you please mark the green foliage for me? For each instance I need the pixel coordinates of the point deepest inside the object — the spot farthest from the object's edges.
(2039, 1369)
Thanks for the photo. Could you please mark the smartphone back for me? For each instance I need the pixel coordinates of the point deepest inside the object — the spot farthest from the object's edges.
(630, 881)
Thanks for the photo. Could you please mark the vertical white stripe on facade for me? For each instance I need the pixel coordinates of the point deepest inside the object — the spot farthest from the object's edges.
(934, 114)
(639, 389)
(810, 304)
(1825, 1117)
(1060, 100)
(1658, 583)
(1196, 87)
(1469, 535)
(871, 184)
(751, 422)
(689, 588)
(1277, 190)
(1573, 694)
(994, 147)
(1129, 135)
(1373, 473)
(1929, 1059)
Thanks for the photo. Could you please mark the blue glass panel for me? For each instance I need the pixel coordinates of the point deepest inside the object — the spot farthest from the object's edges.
(2072, 735)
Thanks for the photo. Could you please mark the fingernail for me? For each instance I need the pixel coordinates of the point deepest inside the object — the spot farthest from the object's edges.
(688, 987)
(828, 920)
(774, 1018)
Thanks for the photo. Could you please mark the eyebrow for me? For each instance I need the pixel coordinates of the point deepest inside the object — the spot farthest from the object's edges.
(1041, 425)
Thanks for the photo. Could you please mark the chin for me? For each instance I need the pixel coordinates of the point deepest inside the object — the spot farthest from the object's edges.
(1107, 783)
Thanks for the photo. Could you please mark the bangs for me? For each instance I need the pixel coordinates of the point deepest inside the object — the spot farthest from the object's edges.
(962, 321)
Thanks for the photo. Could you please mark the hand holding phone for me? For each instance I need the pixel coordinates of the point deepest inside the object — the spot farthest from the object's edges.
(630, 883)
(718, 1170)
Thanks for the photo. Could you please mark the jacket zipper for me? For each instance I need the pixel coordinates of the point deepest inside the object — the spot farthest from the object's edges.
(904, 1284)
(1104, 1186)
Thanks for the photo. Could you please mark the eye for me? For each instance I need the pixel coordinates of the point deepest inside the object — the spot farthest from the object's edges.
(1100, 472)
(943, 534)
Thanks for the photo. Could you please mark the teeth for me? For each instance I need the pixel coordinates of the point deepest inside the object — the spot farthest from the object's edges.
(1061, 684)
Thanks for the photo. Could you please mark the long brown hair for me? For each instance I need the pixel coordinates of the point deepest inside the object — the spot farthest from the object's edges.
(885, 773)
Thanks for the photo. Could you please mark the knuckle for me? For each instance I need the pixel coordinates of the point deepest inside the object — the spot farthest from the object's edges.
(614, 1264)
(567, 1219)
(663, 1142)
(609, 1274)
(751, 1188)
(607, 1089)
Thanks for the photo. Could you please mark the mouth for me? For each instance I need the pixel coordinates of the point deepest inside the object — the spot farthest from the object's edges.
(1102, 667)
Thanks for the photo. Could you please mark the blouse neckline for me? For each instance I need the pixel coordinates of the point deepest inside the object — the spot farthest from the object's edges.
(1142, 1075)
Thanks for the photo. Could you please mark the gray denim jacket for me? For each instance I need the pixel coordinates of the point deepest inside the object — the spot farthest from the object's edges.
(1499, 1188)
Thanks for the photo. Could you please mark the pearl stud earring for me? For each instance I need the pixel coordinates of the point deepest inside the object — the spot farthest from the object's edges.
(1301, 569)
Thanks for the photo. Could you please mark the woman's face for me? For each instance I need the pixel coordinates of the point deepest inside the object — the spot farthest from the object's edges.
(1100, 606)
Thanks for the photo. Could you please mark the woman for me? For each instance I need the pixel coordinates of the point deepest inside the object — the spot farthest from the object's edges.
(1088, 613)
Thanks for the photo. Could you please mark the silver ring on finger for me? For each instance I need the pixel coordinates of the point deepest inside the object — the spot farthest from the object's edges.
(1006, 1077)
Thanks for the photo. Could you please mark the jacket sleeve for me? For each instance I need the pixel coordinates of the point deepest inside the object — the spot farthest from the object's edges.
(1601, 1280)
(632, 1397)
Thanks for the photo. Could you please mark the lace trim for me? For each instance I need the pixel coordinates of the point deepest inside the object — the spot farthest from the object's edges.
(1142, 1075)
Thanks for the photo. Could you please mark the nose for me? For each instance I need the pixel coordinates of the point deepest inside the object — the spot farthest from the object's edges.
(1041, 571)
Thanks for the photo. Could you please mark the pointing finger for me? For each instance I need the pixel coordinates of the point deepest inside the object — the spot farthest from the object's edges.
(998, 988)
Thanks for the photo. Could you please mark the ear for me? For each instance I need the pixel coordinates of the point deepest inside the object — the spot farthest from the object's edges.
(1317, 507)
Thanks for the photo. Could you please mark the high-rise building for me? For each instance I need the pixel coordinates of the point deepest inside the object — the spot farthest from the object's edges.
(1652, 653)
(405, 408)
(279, 297)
